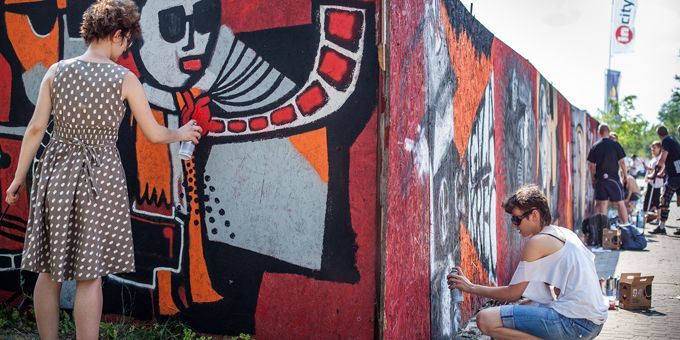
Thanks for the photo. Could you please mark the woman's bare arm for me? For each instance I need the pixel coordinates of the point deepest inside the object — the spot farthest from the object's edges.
(538, 247)
(35, 131)
(133, 92)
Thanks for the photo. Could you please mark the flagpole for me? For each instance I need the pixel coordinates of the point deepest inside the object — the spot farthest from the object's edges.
(611, 19)
(609, 62)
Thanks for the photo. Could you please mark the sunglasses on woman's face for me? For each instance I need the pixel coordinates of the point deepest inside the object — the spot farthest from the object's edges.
(516, 220)
(129, 42)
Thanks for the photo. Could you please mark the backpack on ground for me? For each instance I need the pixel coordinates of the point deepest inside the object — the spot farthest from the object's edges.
(631, 239)
(592, 228)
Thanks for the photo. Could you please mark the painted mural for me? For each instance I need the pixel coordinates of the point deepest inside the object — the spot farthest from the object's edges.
(470, 122)
(271, 228)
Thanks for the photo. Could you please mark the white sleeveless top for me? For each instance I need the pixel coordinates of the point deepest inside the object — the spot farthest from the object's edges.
(572, 270)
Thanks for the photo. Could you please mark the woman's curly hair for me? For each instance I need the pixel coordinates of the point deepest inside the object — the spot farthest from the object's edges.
(103, 18)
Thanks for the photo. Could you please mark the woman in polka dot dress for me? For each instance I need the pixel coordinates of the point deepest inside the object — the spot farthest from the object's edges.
(79, 224)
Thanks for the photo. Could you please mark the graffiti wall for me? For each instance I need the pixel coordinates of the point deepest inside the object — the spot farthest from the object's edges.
(271, 228)
(470, 122)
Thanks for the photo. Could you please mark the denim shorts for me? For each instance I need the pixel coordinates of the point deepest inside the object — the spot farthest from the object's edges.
(546, 323)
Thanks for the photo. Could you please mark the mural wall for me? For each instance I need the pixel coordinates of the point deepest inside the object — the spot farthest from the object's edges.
(470, 122)
(271, 228)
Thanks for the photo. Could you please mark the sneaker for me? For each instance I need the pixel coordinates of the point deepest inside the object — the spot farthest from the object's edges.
(654, 222)
(658, 231)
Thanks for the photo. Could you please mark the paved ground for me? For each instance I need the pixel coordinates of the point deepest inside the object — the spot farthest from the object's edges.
(661, 259)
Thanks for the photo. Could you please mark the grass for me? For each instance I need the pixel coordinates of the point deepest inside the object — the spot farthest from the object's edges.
(21, 326)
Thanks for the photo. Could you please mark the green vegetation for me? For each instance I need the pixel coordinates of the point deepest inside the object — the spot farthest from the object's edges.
(629, 126)
(634, 132)
(669, 114)
(15, 325)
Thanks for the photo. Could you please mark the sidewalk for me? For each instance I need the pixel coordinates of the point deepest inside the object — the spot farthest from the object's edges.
(661, 260)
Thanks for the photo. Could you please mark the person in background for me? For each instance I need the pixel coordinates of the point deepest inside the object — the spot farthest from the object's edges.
(554, 260)
(637, 167)
(632, 191)
(654, 183)
(669, 168)
(614, 136)
(605, 159)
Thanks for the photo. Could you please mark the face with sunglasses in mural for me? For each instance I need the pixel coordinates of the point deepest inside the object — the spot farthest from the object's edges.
(178, 36)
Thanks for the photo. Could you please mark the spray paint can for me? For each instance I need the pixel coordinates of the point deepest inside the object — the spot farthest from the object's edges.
(610, 286)
(456, 294)
(186, 150)
(616, 287)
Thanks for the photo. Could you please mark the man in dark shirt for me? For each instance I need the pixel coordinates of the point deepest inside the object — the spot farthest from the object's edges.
(669, 169)
(605, 159)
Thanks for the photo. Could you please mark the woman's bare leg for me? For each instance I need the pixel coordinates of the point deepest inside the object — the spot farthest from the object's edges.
(46, 306)
(87, 310)
(489, 322)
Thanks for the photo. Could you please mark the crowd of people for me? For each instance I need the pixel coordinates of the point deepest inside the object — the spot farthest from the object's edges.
(614, 177)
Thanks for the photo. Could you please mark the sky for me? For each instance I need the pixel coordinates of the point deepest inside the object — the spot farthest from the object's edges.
(568, 43)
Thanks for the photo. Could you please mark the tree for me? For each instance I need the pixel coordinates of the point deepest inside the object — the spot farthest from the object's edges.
(634, 132)
(669, 115)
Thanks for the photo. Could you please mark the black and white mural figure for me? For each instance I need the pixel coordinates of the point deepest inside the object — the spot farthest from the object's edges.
(461, 182)
(443, 158)
(579, 164)
(522, 132)
(547, 136)
(479, 179)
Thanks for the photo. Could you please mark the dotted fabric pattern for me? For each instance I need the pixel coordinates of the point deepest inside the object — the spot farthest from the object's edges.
(79, 222)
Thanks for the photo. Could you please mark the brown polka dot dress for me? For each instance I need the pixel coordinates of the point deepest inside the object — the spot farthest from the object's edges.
(79, 222)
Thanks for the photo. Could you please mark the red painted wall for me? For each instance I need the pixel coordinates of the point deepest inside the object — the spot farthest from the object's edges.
(407, 218)
(446, 73)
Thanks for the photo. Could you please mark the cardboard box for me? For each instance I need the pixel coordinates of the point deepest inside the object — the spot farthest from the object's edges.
(611, 239)
(635, 291)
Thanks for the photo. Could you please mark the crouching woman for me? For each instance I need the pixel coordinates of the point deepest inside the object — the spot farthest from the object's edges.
(556, 275)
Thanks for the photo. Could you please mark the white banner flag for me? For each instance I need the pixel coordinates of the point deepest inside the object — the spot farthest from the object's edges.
(623, 31)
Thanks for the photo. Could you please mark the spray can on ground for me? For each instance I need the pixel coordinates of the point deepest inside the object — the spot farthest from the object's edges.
(616, 287)
(456, 294)
(610, 286)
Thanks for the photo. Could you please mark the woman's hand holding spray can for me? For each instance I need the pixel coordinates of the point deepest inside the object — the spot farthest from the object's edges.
(186, 148)
(456, 294)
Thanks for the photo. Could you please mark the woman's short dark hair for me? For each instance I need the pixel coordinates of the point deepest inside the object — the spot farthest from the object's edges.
(529, 197)
(104, 17)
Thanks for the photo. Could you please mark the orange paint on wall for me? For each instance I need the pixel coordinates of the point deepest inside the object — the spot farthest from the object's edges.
(313, 147)
(12, 2)
(153, 166)
(166, 305)
(472, 268)
(472, 74)
(199, 280)
(31, 49)
(569, 201)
